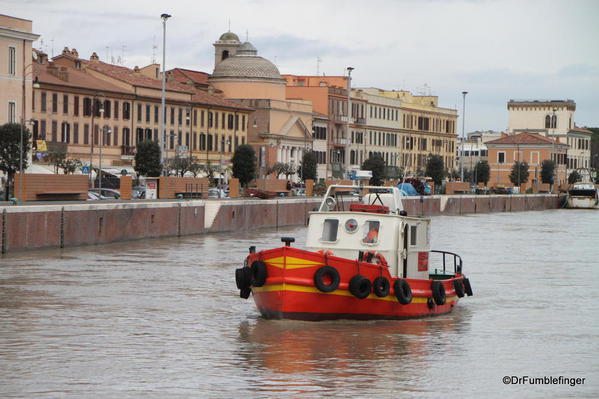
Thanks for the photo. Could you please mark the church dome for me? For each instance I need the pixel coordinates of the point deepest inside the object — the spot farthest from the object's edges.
(229, 36)
(247, 64)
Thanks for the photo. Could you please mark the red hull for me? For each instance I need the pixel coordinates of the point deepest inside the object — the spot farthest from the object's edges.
(289, 291)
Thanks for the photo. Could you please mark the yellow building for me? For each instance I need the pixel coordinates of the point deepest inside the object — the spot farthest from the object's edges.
(15, 69)
(405, 128)
(88, 107)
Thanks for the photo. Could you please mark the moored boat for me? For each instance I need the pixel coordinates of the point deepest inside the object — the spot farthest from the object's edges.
(583, 195)
(365, 258)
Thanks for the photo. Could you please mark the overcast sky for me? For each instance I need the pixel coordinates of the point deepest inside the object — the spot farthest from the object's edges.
(494, 49)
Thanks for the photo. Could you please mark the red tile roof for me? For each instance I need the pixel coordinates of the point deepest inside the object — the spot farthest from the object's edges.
(134, 78)
(73, 78)
(82, 79)
(523, 138)
(183, 75)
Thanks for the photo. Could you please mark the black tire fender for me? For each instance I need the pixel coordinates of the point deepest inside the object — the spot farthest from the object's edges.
(403, 291)
(438, 292)
(381, 286)
(322, 273)
(243, 277)
(467, 287)
(458, 286)
(360, 286)
(258, 273)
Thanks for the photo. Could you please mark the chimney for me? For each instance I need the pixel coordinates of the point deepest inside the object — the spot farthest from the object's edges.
(42, 58)
(74, 53)
(66, 51)
(135, 69)
(94, 57)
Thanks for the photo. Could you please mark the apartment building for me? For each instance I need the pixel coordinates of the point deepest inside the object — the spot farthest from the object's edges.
(88, 107)
(554, 119)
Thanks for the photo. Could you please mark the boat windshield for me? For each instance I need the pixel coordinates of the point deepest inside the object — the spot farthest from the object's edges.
(341, 198)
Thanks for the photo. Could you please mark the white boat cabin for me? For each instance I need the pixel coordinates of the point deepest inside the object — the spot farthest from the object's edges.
(351, 221)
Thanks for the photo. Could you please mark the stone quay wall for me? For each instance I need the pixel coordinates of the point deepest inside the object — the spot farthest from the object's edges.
(71, 224)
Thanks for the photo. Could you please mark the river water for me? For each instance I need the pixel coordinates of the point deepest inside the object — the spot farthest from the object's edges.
(162, 318)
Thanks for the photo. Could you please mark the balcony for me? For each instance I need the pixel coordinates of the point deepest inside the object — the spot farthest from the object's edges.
(360, 121)
(338, 141)
(127, 151)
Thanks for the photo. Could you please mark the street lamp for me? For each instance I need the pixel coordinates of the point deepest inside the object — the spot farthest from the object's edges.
(463, 133)
(223, 175)
(105, 132)
(36, 85)
(164, 17)
(347, 135)
(93, 132)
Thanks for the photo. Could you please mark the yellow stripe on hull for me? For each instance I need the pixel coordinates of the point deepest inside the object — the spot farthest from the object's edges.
(291, 263)
(314, 290)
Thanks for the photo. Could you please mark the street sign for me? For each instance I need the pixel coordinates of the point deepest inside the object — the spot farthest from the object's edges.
(85, 169)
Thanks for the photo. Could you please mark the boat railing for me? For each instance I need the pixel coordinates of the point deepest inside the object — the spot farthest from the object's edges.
(448, 257)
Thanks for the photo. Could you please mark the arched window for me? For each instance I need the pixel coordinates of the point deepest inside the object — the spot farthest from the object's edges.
(225, 55)
(547, 121)
(553, 121)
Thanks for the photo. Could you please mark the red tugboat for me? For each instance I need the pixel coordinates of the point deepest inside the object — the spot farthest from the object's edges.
(365, 259)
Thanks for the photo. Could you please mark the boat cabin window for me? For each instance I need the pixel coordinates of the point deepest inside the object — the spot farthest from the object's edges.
(370, 232)
(329, 232)
(413, 230)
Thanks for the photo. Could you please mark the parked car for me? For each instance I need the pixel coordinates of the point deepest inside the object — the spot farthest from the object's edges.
(138, 192)
(106, 193)
(93, 196)
(216, 193)
(254, 192)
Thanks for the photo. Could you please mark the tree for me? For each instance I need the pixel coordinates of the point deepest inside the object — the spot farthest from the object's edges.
(57, 157)
(69, 166)
(10, 150)
(195, 169)
(574, 177)
(519, 173)
(244, 164)
(210, 170)
(435, 168)
(179, 165)
(482, 171)
(308, 167)
(547, 171)
(147, 158)
(376, 164)
(280, 168)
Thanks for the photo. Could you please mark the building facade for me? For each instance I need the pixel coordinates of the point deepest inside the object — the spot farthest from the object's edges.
(531, 148)
(16, 39)
(553, 119)
(280, 129)
(87, 107)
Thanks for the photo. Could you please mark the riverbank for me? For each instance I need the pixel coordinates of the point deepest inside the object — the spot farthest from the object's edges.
(24, 227)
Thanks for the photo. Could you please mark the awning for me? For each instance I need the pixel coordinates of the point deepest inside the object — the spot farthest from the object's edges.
(118, 170)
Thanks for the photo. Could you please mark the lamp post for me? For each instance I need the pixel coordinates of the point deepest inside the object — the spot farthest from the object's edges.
(164, 17)
(347, 135)
(223, 175)
(93, 131)
(462, 138)
(23, 121)
(105, 132)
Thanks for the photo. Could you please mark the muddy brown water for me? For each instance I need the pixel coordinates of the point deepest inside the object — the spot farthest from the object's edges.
(162, 318)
